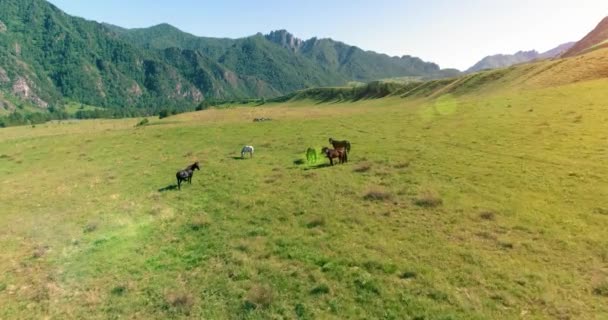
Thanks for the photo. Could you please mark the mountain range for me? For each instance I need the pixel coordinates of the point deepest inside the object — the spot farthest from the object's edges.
(48, 57)
(507, 60)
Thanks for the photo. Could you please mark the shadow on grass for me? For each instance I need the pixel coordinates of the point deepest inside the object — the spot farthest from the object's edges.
(171, 187)
(318, 166)
(238, 158)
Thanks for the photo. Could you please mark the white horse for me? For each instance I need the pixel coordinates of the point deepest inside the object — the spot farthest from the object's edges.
(247, 149)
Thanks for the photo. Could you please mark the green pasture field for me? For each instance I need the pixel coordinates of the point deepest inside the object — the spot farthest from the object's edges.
(487, 206)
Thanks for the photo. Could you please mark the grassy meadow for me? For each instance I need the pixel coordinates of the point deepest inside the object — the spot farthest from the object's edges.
(489, 206)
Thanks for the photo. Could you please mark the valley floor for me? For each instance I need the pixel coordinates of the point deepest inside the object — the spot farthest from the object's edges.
(463, 207)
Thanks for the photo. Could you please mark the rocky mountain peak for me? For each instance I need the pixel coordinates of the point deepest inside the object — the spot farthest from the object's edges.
(285, 39)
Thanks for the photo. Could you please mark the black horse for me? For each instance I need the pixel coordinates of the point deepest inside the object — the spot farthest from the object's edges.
(340, 144)
(186, 174)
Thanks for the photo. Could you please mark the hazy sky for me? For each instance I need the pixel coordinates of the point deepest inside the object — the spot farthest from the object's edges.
(452, 33)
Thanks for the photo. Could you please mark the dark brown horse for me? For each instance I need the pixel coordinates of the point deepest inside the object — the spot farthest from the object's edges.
(186, 174)
(340, 144)
(331, 154)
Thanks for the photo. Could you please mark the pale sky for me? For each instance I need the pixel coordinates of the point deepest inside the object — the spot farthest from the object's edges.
(452, 33)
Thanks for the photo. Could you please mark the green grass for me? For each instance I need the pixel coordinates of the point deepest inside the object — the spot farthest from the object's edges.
(463, 207)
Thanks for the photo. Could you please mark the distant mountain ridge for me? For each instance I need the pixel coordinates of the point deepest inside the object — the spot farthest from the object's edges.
(507, 60)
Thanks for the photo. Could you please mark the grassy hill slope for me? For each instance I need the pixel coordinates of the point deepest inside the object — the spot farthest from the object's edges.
(470, 199)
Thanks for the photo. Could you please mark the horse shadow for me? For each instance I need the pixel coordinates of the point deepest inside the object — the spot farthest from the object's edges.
(171, 187)
(318, 166)
(237, 158)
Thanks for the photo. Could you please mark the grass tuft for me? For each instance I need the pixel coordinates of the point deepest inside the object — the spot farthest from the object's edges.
(377, 195)
(315, 222)
(119, 291)
(408, 275)
(428, 199)
(320, 289)
(487, 215)
(601, 290)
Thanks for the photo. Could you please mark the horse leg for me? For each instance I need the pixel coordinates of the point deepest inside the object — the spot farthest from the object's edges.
(179, 184)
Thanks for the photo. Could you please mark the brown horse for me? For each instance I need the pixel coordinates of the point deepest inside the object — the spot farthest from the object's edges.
(331, 154)
(186, 174)
(340, 144)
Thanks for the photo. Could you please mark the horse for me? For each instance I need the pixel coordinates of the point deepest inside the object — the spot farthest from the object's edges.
(311, 155)
(340, 144)
(331, 154)
(186, 174)
(247, 149)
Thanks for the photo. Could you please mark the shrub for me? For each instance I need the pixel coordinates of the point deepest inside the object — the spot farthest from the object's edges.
(143, 122)
(163, 114)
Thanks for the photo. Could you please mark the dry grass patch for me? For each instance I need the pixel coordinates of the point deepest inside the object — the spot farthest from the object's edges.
(259, 296)
(200, 222)
(179, 300)
(402, 165)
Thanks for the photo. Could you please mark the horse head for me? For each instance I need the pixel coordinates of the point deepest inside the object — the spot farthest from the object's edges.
(196, 166)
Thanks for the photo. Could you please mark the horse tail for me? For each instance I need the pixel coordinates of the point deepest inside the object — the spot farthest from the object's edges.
(348, 146)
